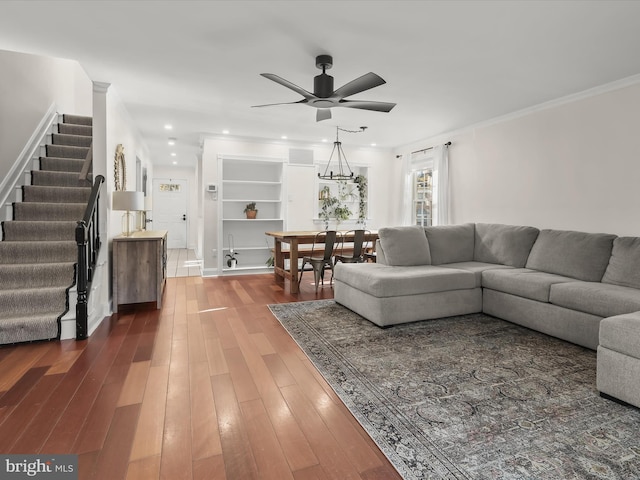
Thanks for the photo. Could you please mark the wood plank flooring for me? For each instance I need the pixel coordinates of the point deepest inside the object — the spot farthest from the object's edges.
(209, 387)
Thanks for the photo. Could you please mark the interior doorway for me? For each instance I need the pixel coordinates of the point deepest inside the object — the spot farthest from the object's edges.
(170, 200)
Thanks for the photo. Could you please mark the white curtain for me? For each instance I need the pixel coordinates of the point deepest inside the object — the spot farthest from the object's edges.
(407, 190)
(441, 185)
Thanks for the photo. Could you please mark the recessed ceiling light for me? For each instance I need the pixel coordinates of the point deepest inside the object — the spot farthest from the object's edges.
(225, 132)
(173, 154)
(168, 127)
(175, 163)
(373, 144)
(325, 140)
(283, 137)
(172, 141)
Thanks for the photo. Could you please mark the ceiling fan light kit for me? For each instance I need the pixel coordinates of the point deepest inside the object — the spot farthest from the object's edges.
(324, 97)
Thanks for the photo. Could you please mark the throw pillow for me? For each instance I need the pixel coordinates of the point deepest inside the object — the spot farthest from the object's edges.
(624, 264)
(450, 243)
(405, 245)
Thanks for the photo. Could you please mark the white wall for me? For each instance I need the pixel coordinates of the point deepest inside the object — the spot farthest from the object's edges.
(381, 188)
(572, 165)
(29, 85)
(121, 130)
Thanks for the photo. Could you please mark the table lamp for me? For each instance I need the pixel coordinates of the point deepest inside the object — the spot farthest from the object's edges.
(128, 201)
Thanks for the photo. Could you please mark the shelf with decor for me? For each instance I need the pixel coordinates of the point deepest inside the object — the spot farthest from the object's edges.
(346, 195)
(247, 181)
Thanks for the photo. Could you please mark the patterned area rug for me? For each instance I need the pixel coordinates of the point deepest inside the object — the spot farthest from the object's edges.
(470, 396)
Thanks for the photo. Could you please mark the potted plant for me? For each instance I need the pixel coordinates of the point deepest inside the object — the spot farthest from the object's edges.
(341, 213)
(232, 261)
(327, 204)
(250, 210)
(361, 184)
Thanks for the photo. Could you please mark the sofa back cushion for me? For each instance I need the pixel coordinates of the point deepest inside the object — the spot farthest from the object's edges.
(504, 244)
(624, 264)
(451, 243)
(405, 245)
(580, 255)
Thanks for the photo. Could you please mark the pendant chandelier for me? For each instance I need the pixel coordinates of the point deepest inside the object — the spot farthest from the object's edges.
(343, 170)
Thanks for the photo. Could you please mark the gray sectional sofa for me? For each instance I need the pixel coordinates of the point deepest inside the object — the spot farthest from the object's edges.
(562, 283)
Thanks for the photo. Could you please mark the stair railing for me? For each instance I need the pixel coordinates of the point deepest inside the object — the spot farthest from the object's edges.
(86, 166)
(88, 240)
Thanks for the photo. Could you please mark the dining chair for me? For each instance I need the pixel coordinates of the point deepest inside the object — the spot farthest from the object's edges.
(321, 256)
(360, 246)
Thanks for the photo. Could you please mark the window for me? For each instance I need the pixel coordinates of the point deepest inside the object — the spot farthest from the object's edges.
(426, 182)
(420, 188)
(422, 181)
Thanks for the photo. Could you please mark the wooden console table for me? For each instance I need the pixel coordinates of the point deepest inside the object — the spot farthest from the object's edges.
(139, 268)
(294, 239)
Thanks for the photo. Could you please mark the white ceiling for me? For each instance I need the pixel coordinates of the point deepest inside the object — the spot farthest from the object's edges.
(448, 64)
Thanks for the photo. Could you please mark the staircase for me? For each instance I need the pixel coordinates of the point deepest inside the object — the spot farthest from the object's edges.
(38, 251)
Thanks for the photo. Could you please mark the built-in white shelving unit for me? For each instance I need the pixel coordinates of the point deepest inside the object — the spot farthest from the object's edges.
(246, 180)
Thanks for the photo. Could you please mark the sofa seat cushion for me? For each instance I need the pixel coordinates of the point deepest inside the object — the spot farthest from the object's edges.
(386, 281)
(602, 299)
(579, 255)
(503, 244)
(621, 334)
(475, 267)
(522, 282)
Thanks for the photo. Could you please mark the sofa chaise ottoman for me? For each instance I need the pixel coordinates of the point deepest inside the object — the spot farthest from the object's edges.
(618, 371)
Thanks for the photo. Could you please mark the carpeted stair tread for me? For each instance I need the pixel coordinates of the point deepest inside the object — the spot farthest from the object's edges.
(32, 301)
(26, 230)
(49, 194)
(38, 252)
(71, 129)
(36, 275)
(28, 328)
(55, 212)
(71, 140)
(57, 179)
(66, 151)
(77, 119)
(58, 164)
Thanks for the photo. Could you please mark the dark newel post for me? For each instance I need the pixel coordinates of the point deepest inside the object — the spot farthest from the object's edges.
(88, 240)
(82, 311)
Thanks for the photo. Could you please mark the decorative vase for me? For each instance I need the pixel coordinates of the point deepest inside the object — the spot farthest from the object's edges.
(252, 213)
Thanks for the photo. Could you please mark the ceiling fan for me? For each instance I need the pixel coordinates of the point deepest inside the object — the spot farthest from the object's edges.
(324, 97)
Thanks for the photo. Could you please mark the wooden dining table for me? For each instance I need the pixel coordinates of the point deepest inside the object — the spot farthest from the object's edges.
(294, 239)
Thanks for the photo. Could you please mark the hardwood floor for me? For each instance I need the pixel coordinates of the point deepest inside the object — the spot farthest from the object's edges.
(209, 387)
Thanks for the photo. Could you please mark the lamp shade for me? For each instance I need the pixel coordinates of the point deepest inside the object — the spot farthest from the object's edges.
(127, 201)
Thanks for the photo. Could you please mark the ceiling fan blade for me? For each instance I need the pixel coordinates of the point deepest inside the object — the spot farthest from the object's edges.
(323, 114)
(365, 105)
(360, 84)
(282, 103)
(288, 84)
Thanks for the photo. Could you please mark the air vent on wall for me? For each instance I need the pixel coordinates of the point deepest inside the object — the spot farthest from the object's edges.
(300, 156)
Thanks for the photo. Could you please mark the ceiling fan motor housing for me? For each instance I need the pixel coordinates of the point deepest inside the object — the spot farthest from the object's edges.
(323, 83)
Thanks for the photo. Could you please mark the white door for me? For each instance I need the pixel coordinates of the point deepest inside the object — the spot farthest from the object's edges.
(170, 210)
(302, 197)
